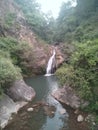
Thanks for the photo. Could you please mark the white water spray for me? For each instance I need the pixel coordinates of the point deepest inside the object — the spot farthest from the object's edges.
(51, 64)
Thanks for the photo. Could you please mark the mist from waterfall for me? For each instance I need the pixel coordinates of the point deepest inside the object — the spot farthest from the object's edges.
(51, 64)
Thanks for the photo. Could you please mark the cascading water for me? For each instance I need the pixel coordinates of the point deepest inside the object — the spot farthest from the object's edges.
(51, 64)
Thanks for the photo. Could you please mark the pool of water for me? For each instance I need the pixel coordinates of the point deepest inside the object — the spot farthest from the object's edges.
(38, 120)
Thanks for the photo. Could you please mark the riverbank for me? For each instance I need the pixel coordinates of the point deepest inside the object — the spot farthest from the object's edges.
(17, 96)
(47, 113)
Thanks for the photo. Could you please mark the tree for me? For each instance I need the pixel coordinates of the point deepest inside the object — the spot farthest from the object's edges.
(85, 7)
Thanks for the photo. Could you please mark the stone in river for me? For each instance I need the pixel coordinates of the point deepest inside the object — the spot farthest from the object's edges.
(30, 109)
(62, 111)
(80, 118)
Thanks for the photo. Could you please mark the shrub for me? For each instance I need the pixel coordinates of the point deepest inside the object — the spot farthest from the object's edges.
(4, 54)
(8, 73)
(20, 52)
(14, 57)
(82, 73)
(9, 19)
(65, 74)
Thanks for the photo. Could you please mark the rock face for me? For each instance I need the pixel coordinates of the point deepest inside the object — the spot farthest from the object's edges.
(7, 107)
(59, 56)
(66, 95)
(21, 92)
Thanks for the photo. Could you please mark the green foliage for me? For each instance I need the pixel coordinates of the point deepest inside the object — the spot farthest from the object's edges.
(4, 54)
(9, 19)
(8, 43)
(84, 7)
(77, 23)
(42, 24)
(82, 73)
(18, 51)
(66, 23)
(8, 73)
(14, 57)
(65, 74)
(34, 17)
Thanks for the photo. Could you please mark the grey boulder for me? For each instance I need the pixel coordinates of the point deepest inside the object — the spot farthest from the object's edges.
(20, 91)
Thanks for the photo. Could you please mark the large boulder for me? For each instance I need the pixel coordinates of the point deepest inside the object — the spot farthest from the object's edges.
(7, 108)
(67, 96)
(20, 91)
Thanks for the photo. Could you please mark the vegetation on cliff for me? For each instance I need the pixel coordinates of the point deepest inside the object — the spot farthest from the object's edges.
(42, 24)
(78, 23)
(18, 18)
(82, 72)
(12, 54)
(78, 26)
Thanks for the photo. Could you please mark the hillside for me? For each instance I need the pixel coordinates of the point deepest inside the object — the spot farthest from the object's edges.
(22, 51)
(25, 32)
(77, 23)
(27, 40)
(78, 27)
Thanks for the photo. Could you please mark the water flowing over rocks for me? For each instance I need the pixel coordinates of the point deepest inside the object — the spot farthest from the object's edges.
(59, 55)
(51, 64)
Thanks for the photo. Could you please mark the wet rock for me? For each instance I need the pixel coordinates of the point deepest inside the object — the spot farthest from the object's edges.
(67, 96)
(40, 103)
(30, 109)
(49, 111)
(59, 56)
(62, 111)
(7, 108)
(21, 92)
(76, 111)
(80, 118)
(20, 104)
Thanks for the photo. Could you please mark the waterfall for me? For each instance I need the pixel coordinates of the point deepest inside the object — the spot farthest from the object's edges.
(51, 64)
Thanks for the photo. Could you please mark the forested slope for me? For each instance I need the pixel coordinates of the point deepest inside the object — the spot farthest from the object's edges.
(24, 33)
(22, 50)
(78, 26)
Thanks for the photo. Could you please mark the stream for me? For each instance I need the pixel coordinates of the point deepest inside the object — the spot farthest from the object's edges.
(38, 119)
